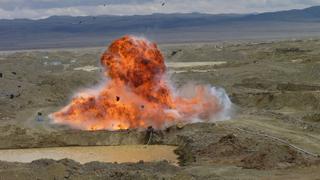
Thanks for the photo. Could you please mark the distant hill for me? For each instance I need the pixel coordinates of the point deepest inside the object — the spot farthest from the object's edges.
(311, 14)
(67, 31)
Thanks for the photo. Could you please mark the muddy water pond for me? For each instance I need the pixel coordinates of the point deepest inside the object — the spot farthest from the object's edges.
(120, 154)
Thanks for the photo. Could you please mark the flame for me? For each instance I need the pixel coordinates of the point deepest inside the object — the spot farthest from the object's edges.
(137, 94)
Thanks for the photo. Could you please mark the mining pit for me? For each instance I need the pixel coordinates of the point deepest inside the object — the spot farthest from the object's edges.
(273, 132)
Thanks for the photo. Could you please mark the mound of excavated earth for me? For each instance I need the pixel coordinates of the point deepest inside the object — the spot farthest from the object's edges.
(227, 147)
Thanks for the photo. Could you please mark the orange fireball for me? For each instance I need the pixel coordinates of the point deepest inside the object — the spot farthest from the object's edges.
(137, 94)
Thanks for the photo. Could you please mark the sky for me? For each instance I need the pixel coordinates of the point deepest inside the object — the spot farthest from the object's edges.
(39, 9)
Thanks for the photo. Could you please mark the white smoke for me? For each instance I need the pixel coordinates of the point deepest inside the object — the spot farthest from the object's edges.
(226, 107)
(225, 103)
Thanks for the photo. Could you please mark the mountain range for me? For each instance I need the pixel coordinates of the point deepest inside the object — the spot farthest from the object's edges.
(68, 31)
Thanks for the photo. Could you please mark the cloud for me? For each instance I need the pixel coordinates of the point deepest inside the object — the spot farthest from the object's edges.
(36, 9)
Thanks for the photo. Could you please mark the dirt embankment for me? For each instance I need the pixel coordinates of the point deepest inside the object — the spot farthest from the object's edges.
(205, 144)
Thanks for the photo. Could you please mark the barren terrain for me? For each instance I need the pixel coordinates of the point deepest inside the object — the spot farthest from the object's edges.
(274, 132)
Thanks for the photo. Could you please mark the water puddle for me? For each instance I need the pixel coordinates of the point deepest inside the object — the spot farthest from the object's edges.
(120, 154)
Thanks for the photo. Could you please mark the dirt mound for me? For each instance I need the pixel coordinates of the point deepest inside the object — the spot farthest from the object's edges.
(290, 50)
(271, 156)
(272, 95)
(312, 117)
(69, 169)
(252, 154)
(228, 145)
(261, 84)
(277, 100)
(255, 83)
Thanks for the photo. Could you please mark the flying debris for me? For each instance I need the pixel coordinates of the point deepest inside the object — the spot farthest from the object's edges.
(39, 117)
(175, 52)
(11, 96)
(149, 134)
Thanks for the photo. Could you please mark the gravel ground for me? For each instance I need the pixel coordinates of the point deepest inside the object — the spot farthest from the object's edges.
(274, 133)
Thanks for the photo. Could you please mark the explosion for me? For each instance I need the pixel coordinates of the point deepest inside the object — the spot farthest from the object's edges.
(137, 94)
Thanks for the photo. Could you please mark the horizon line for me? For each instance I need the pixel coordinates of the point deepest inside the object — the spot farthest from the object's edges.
(177, 13)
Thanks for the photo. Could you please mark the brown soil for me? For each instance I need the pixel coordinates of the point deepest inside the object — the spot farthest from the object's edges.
(228, 146)
(274, 86)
